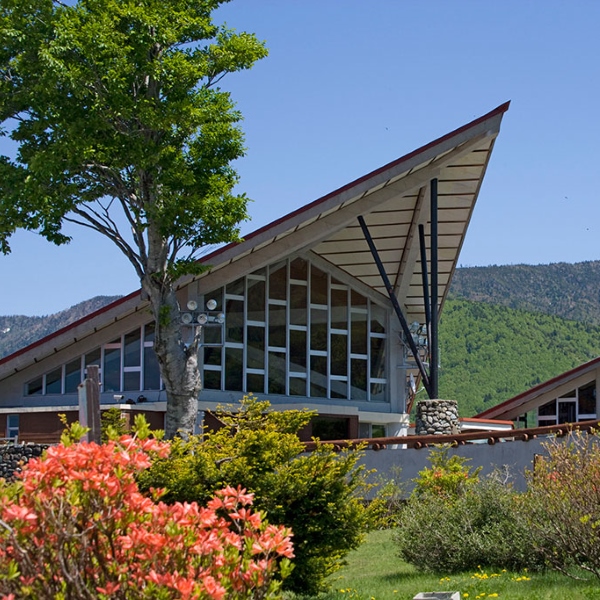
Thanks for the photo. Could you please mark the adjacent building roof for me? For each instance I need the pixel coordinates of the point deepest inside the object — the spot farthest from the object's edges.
(393, 200)
(543, 392)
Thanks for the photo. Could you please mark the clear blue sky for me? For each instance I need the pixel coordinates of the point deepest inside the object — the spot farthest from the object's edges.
(351, 85)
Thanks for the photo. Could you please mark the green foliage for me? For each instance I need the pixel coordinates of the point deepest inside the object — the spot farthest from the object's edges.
(112, 424)
(383, 511)
(447, 477)
(491, 353)
(316, 494)
(455, 521)
(563, 500)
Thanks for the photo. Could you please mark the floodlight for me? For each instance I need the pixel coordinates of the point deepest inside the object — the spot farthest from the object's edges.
(186, 318)
(202, 318)
(220, 318)
(211, 304)
(192, 305)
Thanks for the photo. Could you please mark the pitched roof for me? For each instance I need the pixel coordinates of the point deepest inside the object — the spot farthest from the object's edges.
(535, 396)
(393, 200)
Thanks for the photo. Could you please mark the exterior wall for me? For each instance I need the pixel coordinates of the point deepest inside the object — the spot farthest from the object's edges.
(337, 383)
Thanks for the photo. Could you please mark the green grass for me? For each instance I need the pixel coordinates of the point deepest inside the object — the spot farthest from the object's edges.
(375, 572)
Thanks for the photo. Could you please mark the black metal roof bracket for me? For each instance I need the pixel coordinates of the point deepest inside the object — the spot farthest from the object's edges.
(395, 304)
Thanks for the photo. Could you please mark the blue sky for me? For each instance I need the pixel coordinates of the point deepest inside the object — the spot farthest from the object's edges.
(350, 85)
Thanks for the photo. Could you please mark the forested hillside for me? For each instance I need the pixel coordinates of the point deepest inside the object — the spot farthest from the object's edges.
(490, 353)
(570, 291)
(17, 331)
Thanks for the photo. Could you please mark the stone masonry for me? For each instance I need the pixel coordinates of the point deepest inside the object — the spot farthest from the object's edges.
(437, 417)
(14, 456)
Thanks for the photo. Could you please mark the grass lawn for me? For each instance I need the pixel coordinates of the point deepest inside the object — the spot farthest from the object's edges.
(375, 572)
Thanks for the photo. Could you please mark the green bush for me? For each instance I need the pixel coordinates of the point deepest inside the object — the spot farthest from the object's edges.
(317, 494)
(464, 527)
(564, 504)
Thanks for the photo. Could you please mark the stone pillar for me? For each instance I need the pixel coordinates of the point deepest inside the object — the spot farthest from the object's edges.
(437, 417)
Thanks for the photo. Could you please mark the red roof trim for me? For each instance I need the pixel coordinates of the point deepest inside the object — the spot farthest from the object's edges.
(497, 111)
(507, 404)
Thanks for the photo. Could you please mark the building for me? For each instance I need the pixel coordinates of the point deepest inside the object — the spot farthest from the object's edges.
(567, 398)
(311, 310)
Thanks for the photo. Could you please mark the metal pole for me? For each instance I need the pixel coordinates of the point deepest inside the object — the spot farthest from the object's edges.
(433, 339)
(395, 304)
(425, 278)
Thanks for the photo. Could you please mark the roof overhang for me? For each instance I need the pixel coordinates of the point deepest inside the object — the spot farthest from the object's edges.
(393, 202)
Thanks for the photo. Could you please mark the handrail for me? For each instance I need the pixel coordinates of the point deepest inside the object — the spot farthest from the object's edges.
(459, 439)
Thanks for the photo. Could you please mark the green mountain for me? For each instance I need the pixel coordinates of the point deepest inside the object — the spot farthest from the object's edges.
(570, 291)
(491, 353)
(18, 331)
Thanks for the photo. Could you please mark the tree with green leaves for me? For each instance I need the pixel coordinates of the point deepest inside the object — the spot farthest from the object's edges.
(122, 128)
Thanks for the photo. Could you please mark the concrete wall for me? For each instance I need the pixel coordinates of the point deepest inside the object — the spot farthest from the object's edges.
(405, 464)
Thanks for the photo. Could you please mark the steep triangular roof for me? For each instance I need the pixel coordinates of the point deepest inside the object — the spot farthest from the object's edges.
(393, 200)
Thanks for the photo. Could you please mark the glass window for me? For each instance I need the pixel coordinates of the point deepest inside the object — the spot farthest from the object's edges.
(149, 333)
(12, 426)
(131, 381)
(255, 348)
(236, 289)
(339, 309)
(234, 369)
(72, 376)
(256, 300)
(318, 286)
(212, 356)
(339, 354)
(298, 304)
(330, 428)
(54, 381)
(318, 376)
(132, 351)
(276, 373)
(93, 358)
(234, 321)
(35, 387)
(255, 383)
(587, 400)
(377, 430)
(212, 380)
(339, 389)
(357, 300)
(297, 386)
(111, 370)
(212, 335)
(378, 392)
(358, 333)
(377, 358)
(151, 369)
(297, 351)
(548, 409)
(358, 379)
(377, 318)
(299, 269)
(278, 282)
(318, 329)
(277, 327)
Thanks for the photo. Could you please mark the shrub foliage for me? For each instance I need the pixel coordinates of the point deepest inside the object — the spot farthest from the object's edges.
(75, 526)
(456, 521)
(564, 504)
(317, 494)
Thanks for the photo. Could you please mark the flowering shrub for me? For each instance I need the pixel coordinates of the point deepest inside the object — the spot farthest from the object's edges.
(563, 499)
(75, 525)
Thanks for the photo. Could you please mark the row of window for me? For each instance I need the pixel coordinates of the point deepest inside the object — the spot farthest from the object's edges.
(577, 405)
(290, 329)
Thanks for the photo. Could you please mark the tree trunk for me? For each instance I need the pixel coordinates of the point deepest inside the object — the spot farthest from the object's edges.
(178, 362)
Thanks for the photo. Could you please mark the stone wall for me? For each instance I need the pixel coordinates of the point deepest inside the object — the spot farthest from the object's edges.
(437, 417)
(13, 456)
